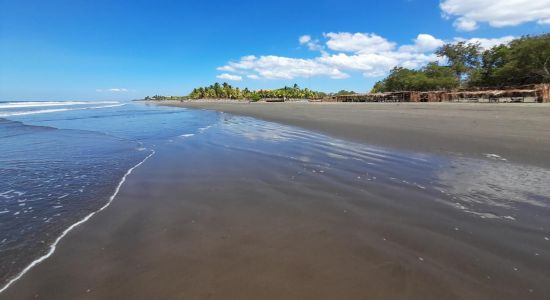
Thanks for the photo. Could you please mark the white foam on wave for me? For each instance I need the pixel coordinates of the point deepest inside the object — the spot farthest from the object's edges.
(10, 194)
(45, 111)
(66, 231)
(187, 135)
(33, 112)
(105, 106)
(205, 128)
(49, 103)
(487, 215)
(494, 156)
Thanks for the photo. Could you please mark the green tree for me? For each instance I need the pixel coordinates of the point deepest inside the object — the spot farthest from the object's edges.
(525, 61)
(432, 77)
(462, 57)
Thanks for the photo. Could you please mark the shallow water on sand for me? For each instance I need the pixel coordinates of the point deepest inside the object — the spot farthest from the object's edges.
(483, 220)
(60, 161)
(59, 166)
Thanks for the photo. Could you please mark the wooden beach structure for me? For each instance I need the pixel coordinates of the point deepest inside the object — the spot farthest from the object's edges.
(535, 93)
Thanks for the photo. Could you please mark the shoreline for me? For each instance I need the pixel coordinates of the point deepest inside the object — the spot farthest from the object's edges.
(518, 132)
(53, 246)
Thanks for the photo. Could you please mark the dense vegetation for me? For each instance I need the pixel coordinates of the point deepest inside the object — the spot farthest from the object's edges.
(432, 77)
(158, 98)
(523, 61)
(226, 91)
(344, 92)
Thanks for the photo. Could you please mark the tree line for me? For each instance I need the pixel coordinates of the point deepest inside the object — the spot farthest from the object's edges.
(522, 61)
(159, 98)
(226, 91)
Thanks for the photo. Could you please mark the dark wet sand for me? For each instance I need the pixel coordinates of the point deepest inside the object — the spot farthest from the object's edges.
(519, 132)
(227, 226)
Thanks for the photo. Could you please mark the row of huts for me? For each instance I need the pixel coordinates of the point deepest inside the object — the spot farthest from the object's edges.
(535, 93)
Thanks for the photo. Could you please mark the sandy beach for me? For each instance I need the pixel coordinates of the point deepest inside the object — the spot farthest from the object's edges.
(211, 219)
(519, 132)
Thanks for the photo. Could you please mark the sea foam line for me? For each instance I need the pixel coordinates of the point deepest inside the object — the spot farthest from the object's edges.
(33, 112)
(50, 103)
(44, 111)
(54, 244)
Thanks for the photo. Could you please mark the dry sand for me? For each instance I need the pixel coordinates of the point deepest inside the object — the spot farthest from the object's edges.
(191, 225)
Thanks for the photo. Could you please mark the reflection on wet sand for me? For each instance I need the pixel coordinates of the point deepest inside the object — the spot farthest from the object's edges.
(252, 209)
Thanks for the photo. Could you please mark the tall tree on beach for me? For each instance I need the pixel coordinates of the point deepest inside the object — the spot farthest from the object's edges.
(462, 58)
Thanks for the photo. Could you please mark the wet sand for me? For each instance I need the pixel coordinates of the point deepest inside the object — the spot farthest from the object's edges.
(519, 132)
(210, 220)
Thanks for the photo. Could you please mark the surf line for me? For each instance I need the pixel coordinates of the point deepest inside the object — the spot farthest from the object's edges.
(45, 111)
(54, 244)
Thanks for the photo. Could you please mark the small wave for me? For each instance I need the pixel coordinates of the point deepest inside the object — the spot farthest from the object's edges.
(205, 128)
(105, 106)
(33, 112)
(187, 135)
(64, 233)
(49, 103)
(45, 111)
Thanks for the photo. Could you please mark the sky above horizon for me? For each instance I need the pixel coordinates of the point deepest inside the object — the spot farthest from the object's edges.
(120, 50)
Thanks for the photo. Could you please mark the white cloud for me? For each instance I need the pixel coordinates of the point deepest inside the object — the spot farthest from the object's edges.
(423, 43)
(370, 64)
(464, 24)
(118, 90)
(487, 43)
(304, 39)
(365, 53)
(113, 90)
(496, 13)
(231, 77)
(226, 69)
(278, 67)
(358, 42)
(311, 44)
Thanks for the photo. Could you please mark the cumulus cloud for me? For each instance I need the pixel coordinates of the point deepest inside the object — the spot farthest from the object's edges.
(487, 43)
(113, 90)
(376, 64)
(311, 44)
(358, 42)
(464, 24)
(226, 69)
(469, 13)
(423, 43)
(279, 67)
(366, 53)
(304, 39)
(227, 76)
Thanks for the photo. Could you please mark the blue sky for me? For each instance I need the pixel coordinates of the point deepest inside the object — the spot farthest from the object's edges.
(61, 50)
